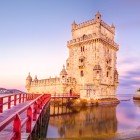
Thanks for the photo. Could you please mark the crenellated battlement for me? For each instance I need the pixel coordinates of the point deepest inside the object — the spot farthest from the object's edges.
(90, 22)
(91, 37)
(105, 25)
(48, 81)
(83, 24)
(52, 81)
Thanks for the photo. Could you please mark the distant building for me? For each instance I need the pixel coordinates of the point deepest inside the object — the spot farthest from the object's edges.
(91, 66)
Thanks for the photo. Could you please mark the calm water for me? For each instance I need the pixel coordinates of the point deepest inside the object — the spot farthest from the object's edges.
(110, 122)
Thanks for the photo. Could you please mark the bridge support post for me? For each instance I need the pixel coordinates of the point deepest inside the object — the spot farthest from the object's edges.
(23, 95)
(15, 98)
(1, 105)
(9, 102)
(29, 121)
(17, 128)
(35, 112)
(19, 98)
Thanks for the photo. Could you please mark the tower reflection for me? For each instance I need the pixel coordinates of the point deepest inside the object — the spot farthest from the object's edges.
(88, 122)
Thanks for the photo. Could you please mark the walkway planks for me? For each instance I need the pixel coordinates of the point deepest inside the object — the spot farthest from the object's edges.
(7, 131)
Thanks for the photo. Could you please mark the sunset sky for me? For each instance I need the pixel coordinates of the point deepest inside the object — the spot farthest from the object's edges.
(34, 34)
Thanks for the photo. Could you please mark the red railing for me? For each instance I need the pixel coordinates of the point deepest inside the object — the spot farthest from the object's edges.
(33, 109)
(13, 99)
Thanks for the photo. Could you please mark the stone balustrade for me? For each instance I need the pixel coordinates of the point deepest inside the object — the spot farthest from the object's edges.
(93, 36)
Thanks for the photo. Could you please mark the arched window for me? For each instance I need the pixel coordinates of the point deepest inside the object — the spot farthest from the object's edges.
(107, 74)
(83, 48)
(81, 73)
(84, 36)
(81, 60)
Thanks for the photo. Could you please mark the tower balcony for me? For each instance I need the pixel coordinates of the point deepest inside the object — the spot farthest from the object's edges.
(93, 36)
(81, 65)
(109, 67)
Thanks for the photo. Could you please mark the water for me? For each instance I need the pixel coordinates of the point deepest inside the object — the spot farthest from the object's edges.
(115, 121)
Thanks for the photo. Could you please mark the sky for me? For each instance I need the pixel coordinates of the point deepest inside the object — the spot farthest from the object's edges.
(34, 35)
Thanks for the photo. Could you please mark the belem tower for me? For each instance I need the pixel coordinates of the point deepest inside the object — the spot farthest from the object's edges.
(91, 65)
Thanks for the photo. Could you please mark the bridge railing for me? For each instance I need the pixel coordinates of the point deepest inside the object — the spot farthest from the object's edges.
(33, 110)
(6, 102)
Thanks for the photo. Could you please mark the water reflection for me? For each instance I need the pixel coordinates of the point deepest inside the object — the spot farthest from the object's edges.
(110, 122)
(83, 123)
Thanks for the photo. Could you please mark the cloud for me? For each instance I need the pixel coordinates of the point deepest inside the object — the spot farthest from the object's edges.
(129, 74)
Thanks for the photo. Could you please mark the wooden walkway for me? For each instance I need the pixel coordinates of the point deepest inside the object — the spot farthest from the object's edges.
(8, 115)
(18, 122)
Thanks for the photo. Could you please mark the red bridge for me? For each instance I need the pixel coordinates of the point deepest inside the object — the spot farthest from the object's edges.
(22, 115)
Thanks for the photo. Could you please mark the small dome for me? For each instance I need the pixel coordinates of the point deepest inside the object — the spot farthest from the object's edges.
(29, 77)
(97, 67)
(63, 71)
(98, 13)
(112, 26)
(98, 16)
(74, 23)
(36, 78)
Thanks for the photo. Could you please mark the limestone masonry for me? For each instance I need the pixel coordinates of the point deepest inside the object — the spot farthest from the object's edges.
(91, 66)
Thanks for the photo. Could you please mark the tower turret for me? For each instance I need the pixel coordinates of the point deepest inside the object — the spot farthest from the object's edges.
(63, 74)
(74, 25)
(116, 75)
(98, 16)
(98, 22)
(36, 80)
(113, 27)
(28, 82)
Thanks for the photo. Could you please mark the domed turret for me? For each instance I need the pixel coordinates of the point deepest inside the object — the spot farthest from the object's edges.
(98, 16)
(63, 75)
(63, 71)
(116, 76)
(28, 82)
(29, 77)
(74, 25)
(35, 78)
(113, 27)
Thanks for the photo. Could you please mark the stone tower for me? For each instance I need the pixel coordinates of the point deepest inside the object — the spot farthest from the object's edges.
(92, 58)
(91, 65)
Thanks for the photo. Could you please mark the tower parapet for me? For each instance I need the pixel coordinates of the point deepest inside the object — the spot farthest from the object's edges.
(93, 37)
